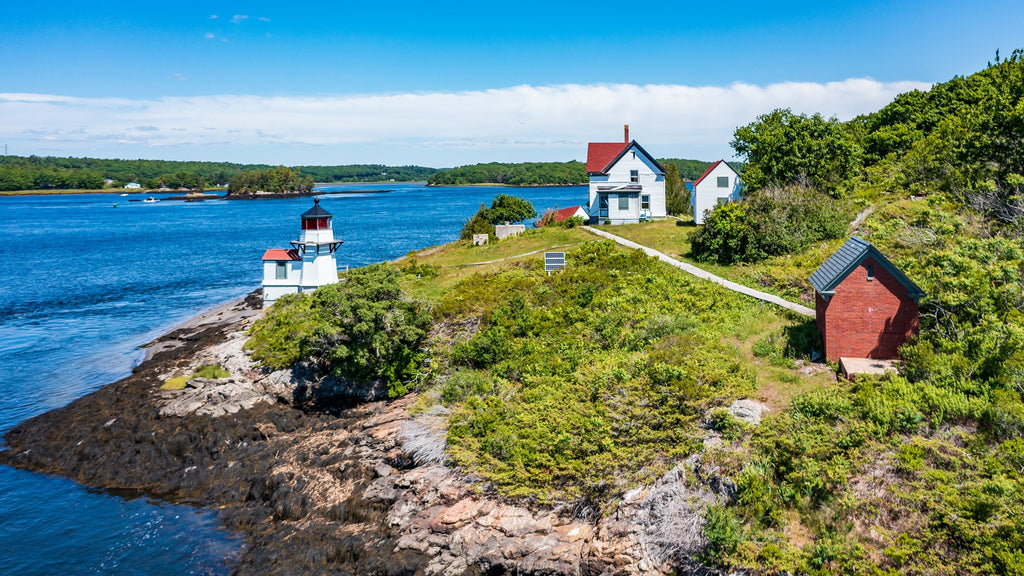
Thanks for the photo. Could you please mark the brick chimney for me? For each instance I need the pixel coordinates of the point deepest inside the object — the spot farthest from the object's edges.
(627, 133)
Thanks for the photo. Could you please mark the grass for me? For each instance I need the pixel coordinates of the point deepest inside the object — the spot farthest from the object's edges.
(455, 261)
(175, 383)
(209, 371)
(784, 276)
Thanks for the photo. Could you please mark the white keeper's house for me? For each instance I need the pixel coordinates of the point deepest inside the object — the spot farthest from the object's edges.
(308, 264)
(627, 185)
(719, 184)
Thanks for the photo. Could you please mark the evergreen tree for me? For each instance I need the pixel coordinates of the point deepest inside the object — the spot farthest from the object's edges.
(677, 195)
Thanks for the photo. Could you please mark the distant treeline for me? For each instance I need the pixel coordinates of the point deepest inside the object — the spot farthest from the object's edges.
(525, 174)
(272, 180)
(693, 169)
(48, 172)
(544, 173)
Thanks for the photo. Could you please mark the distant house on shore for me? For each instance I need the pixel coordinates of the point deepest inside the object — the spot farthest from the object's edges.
(308, 264)
(627, 185)
(719, 184)
(865, 306)
(564, 214)
(133, 186)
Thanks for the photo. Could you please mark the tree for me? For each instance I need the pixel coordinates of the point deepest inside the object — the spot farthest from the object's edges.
(505, 208)
(677, 195)
(783, 148)
(479, 223)
(369, 330)
(769, 222)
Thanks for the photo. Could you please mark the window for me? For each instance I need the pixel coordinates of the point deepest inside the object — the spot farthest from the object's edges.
(603, 207)
(723, 181)
(722, 201)
(634, 175)
(623, 203)
(871, 272)
(645, 202)
(315, 224)
(282, 271)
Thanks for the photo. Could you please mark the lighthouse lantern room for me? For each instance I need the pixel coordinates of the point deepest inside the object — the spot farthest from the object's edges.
(308, 264)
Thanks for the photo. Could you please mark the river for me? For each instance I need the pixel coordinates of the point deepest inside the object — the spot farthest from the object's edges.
(86, 283)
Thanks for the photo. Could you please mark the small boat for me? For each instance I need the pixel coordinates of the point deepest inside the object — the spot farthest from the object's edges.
(125, 194)
(150, 199)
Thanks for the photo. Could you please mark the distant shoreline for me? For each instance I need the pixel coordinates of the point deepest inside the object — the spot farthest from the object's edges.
(497, 185)
(136, 192)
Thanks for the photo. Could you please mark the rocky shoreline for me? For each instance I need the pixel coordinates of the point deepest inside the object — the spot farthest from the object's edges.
(327, 477)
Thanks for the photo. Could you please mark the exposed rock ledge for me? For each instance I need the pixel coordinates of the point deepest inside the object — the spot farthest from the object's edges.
(364, 490)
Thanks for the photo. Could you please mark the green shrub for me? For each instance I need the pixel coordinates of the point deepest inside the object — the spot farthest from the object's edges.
(723, 422)
(461, 384)
(368, 329)
(280, 338)
(722, 532)
(479, 223)
(362, 328)
(768, 223)
(178, 383)
(211, 371)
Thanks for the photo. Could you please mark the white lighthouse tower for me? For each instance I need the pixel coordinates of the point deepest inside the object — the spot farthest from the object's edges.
(308, 265)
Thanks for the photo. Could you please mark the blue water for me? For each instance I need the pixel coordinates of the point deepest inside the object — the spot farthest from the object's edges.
(84, 284)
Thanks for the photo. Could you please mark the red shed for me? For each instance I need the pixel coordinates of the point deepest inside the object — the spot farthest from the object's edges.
(866, 307)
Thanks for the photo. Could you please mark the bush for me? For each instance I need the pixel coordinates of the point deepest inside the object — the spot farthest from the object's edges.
(369, 330)
(362, 328)
(211, 371)
(722, 532)
(479, 223)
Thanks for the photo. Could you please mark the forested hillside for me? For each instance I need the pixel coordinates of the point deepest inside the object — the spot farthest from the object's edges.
(525, 174)
(43, 173)
(543, 173)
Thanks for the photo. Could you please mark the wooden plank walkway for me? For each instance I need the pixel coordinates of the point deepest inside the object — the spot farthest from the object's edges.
(705, 275)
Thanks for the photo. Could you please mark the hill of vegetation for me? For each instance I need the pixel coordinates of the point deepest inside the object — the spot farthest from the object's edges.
(524, 174)
(543, 173)
(576, 387)
(45, 173)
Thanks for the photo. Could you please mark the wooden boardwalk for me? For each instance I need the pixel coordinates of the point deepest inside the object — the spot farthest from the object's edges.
(705, 275)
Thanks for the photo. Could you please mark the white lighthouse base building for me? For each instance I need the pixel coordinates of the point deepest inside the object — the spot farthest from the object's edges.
(308, 264)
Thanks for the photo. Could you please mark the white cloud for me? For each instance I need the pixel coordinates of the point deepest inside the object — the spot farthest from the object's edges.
(239, 18)
(435, 128)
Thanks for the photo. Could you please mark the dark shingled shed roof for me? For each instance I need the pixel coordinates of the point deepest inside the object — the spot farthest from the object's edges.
(316, 211)
(849, 256)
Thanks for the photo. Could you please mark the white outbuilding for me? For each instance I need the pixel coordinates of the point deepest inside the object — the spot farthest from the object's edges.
(308, 264)
(627, 185)
(719, 184)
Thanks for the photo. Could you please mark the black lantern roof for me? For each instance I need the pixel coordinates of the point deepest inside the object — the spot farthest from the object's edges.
(316, 211)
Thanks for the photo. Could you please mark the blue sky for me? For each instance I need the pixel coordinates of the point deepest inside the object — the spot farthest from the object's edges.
(444, 83)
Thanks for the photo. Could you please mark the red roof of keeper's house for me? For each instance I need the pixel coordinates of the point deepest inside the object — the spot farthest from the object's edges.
(565, 213)
(281, 254)
(601, 154)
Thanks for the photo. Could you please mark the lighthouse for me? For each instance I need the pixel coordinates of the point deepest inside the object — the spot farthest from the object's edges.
(308, 264)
